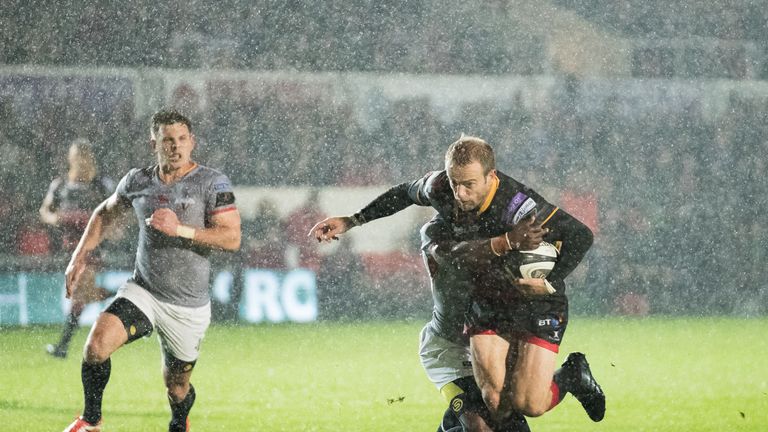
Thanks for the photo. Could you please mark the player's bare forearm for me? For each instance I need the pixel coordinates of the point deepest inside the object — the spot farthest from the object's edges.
(222, 233)
(220, 237)
(101, 222)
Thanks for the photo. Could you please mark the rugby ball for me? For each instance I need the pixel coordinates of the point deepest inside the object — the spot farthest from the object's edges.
(537, 263)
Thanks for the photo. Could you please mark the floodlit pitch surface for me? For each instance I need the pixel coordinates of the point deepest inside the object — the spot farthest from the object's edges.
(681, 374)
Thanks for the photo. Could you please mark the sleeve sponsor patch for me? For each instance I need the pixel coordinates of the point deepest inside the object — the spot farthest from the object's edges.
(223, 186)
(224, 198)
(518, 208)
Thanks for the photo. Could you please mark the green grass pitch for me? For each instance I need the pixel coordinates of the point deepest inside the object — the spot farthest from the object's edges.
(659, 374)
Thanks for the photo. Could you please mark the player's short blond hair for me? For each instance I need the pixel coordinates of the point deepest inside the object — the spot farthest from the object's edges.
(468, 149)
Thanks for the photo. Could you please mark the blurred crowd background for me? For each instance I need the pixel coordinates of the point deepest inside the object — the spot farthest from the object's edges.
(675, 194)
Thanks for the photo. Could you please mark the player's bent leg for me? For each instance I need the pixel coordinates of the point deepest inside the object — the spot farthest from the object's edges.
(106, 336)
(181, 394)
(531, 379)
(489, 360)
(120, 323)
(109, 333)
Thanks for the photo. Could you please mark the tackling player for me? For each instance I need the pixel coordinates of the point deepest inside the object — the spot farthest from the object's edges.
(444, 348)
(515, 333)
(184, 211)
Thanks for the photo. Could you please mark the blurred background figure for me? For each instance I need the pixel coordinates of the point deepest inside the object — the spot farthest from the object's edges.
(263, 238)
(302, 251)
(66, 209)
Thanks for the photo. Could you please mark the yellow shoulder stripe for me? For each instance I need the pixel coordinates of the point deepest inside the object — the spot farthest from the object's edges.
(550, 215)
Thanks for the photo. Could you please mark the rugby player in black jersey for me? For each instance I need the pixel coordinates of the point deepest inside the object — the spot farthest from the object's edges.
(515, 326)
(67, 207)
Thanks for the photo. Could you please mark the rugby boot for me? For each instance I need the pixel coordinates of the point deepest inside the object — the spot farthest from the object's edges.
(55, 351)
(583, 386)
(80, 425)
(177, 427)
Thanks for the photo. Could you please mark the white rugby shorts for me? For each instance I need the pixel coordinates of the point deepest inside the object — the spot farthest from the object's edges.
(443, 361)
(180, 329)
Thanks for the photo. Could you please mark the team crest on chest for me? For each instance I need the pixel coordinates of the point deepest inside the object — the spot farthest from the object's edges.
(184, 202)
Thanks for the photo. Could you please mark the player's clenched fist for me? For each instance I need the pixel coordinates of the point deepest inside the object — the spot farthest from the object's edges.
(165, 221)
(72, 275)
(330, 228)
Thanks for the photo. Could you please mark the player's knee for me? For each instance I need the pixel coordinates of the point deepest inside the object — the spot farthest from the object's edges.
(95, 351)
(529, 406)
(492, 399)
(177, 391)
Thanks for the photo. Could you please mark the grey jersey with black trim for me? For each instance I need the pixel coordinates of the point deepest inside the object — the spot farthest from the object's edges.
(173, 269)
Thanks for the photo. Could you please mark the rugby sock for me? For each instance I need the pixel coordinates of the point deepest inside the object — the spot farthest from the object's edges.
(180, 411)
(559, 387)
(95, 377)
(70, 327)
(449, 421)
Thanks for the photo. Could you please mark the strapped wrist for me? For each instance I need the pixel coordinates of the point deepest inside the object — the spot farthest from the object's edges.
(185, 232)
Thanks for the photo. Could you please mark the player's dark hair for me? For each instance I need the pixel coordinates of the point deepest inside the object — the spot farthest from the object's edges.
(468, 149)
(169, 117)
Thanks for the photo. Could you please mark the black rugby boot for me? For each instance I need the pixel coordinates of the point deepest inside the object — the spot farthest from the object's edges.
(578, 380)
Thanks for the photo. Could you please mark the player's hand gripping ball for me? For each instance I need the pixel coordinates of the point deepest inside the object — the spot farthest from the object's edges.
(539, 262)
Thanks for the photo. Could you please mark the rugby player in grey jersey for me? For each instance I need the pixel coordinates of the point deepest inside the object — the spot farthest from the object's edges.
(185, 210)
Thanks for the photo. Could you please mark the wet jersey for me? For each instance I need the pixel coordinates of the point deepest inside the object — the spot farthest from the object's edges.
(73, 202)
(509, 203)
(175, 270)
(451, 286)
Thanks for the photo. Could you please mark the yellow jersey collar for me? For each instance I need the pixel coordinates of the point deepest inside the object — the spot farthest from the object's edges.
(491, 194)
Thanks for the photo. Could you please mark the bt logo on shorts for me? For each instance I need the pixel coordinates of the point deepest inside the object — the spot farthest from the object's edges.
(554, 321)
(549, 322)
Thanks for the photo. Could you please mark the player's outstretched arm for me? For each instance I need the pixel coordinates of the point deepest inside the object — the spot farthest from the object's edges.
(396, 198)
(99, 226)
